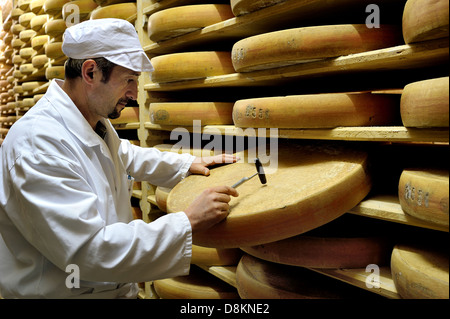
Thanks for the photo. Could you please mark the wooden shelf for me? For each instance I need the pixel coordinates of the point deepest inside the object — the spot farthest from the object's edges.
(371, 133)
(419, 55)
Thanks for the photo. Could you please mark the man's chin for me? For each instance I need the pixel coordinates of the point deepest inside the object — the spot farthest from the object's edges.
(114, 115)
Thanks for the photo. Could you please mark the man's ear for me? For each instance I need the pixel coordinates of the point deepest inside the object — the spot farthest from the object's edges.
(87, 70)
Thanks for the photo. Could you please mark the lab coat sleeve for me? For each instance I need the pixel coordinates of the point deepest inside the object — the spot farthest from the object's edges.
(151, 165)
(58, 215)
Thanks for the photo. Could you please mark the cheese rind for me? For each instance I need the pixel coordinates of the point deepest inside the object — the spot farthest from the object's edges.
(55, 72)
(299, 45)
(426, 103)
(241, 7)
(420, 272)
(424, 194)
(184, 113)
(425, 20)
(56, 27)
(190, 65)
(173, 22)
(119, 11)
(317, 111)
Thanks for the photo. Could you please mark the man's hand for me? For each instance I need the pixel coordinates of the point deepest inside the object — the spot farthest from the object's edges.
(210, 207)
(199, 166)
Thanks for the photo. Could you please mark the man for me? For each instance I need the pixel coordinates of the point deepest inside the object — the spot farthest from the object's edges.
(66, 180)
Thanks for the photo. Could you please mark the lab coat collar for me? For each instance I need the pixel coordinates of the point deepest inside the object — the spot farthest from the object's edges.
(71, 115)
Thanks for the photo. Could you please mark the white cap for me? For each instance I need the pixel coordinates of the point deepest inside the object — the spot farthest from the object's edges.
(113, 39)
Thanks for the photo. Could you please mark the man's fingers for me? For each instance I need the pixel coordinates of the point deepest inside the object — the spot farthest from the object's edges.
(225, 190)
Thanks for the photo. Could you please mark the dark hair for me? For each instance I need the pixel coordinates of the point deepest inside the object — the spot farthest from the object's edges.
(72, 67)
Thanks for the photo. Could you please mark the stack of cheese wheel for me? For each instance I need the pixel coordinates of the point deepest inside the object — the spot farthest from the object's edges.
(259, 279)
(347, 242)
(420, 271)
(197, 285)
(240, 7)
(184, 113)
(423, 193)
(300, 45)
(77, 11)
(426, 103)
(54, 7)
(173, 22)
(190, 65)
(308, 185)
(425, 20)
(126, 11)
(317, 110)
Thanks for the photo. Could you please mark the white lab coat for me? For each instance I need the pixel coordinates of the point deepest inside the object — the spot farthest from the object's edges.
(65, 200)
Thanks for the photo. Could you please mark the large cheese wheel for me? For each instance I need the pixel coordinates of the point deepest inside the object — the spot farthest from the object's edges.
(173, 22)
(56, 27)
(425, 20)
(37, 6)
(27, 53)
(197, 285)
(317, 111)
(119, 11)
(241, 7)
(426, 103)
(23, 4)
(84, 8)
(259, 279)
(423, 193)
(308, 185)
(215, 256)
(347, 242)
(54, 72)
(38, 22)
(129, 114)
(17, 28)
(54, 50)
(161, 195)
(25, 18)
(17, 43)
(420, 272)
(292, 46)
(191, 65)
(27, 68)
(39, 61)
(27, 35)
(54, 7)
(30, 86)
(179, 113)
(39, 41)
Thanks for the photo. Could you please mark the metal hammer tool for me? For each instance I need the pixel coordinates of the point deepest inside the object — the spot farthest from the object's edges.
(259, 172)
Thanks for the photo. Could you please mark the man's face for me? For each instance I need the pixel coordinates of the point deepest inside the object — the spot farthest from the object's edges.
(109, 98)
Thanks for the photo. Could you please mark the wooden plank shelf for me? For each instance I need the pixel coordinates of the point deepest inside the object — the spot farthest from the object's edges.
(403, 57)
(360, 133)
(290, 13)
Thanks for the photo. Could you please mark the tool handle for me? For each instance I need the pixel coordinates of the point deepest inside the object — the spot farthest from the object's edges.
(243, 180)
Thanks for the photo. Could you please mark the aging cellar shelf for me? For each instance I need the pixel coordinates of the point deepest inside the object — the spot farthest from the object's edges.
(402, 57)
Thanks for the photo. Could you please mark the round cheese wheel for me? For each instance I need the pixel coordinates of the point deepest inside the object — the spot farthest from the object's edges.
(17, 28)
(425, 20)
(16, 13)
(317, 111)
(190, 65)
(27, 68)
(259, 279)
(85, 8)
(17, 43)
(420, 272)
(37, 97)
(426, 103)
(129, 114)
(25, 18)
(17, 89)
(55, 28)
(54, 7)
(161, 195)
(17, 74)
(308, 185)
(347, 242)
(173, 22)
(241, 7)
(23, 4)
(299, 45)
(38, 22)
(39, 61)
(37, 6)
(39, 41)
(179, 113)
(105, 3)
(423, 193)
(31, 85)
(27, 35)
(27, 53)
(215, 256)
(54, 50)
(197, 285)
(119, 11)
(54, 72)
